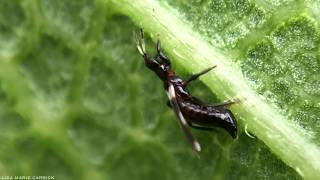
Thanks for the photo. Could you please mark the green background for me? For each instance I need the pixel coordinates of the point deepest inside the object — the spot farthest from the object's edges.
(76, 101)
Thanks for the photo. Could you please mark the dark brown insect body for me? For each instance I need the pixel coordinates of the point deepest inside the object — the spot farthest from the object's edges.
(188, 109)
(199, 114)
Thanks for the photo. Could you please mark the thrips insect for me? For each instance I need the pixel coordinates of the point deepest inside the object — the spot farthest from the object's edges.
(189, 110)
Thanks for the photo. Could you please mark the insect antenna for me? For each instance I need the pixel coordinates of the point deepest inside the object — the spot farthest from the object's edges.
(140, 43)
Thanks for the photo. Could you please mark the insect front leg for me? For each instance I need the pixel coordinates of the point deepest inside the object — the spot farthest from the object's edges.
(197, 75)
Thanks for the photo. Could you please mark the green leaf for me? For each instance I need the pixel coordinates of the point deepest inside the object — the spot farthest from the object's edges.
(77, 102)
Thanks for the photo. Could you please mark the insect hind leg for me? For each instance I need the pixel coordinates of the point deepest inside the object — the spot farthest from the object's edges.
(200, 127)
(228, 103)
(169, 104)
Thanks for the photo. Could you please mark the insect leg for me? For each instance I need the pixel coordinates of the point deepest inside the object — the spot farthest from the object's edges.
(169, 104)
(227, 103)
(182, 121)
(192, 125)
(196, 76)
(200, 127)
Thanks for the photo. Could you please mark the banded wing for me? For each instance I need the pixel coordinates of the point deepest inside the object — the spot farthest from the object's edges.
(182, 122)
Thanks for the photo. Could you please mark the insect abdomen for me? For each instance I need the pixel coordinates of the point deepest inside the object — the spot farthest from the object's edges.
(209, 116)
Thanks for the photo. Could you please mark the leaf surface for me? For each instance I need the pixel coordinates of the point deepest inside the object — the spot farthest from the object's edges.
(77, 102)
